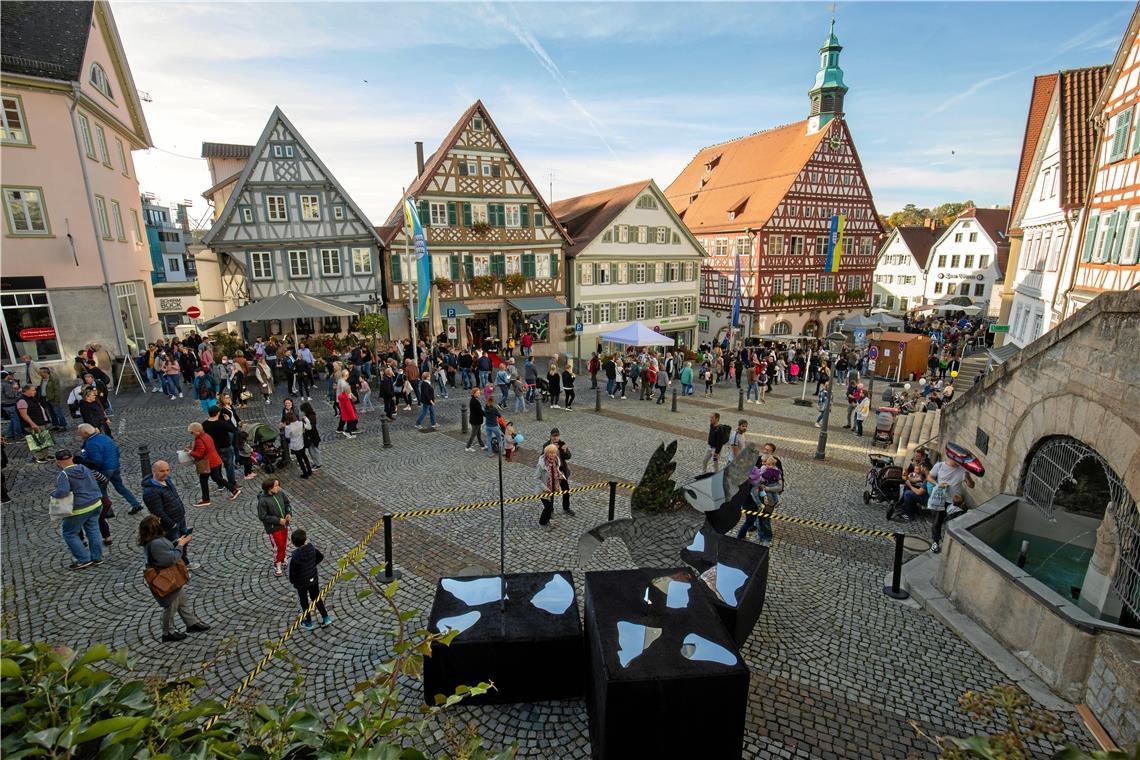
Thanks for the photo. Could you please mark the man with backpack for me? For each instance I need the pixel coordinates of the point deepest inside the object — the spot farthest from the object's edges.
(718, 436)
(204, 389)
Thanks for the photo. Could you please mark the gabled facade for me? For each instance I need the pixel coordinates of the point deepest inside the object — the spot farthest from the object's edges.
(1110, 246)
(632, 260)
(966, 262)
(1047, 212)
(496, 249)
(289, 225)
(900, 269)
(768, 199)
(76, 263)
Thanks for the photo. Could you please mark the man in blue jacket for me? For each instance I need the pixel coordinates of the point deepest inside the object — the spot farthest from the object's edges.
(163, 501)
(101, 454)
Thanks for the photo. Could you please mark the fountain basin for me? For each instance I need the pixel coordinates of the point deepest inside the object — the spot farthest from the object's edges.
(1048, 631)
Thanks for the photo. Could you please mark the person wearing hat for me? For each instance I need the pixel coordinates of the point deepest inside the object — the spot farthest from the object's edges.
(82, 485)
(563, 457)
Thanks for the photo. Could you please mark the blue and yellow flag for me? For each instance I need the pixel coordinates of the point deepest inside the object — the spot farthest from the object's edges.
(423, 261)
(835, 243)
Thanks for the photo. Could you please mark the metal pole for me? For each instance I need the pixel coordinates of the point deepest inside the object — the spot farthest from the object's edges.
(538, 406)
(463, 428)
(821, 444)
(674, 400)
(740, 400)
(144, 460)
(390, 573)
(598, 400)
(386, 433)
(613, 498)
(502, 514)
(807, 371)
(578, 354)
(895, 590)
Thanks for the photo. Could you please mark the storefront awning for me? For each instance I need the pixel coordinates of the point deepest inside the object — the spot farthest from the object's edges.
(538, 304)
(461, 309)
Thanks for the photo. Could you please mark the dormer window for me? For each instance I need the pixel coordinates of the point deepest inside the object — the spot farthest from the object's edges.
(99, 80)
(712, 163)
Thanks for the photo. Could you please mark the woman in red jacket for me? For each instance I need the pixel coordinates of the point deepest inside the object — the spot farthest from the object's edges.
(208, 463)
(347, 415)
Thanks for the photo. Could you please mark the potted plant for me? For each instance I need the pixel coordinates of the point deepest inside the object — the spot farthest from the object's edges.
(778, 298)
(515, 282)
(482, 285)
(480, 228)
(443, 285)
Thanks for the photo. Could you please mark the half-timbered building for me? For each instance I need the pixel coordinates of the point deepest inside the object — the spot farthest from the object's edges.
(768, 200)
(283, 222)
(1111, 242)
(496, 249)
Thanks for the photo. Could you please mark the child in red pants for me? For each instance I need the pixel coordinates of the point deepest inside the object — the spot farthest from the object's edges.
(275, 514)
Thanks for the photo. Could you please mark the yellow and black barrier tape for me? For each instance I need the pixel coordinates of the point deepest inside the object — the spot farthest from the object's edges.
(820, 524)
(343, 565)
(495, 502)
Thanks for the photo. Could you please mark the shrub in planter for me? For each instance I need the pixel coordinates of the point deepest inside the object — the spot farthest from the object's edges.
(856, 294)
(443, 284)
(482, 285)
(481, 228)
(778, 298)
(515, 282)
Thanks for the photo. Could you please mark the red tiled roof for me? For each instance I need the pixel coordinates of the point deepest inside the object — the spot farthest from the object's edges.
(225, 150)
(1078, 90)
(918, 241)
(1043, 88)
(587, 216)
(756, 170)
(432, 164)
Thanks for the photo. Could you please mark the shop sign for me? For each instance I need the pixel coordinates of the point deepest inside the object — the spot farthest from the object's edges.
(37, 333)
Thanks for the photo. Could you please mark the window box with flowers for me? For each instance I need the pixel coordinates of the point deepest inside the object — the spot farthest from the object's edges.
(515, 282)
(810, 297)
(482, 285)
(829, 296)
(443, 285)
(481, 228)
(856, 294)
(778, 298)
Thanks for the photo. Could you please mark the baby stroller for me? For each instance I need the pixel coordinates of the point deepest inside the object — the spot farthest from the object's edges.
(543, 389)
(266, 447)
(884, 480)
(885, 426)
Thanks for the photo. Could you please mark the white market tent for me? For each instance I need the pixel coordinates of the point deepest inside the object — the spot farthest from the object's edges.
(637, 334)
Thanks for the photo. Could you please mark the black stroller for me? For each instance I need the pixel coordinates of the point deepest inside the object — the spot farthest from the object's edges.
(542, 388)
(266, 447)
(884, 481)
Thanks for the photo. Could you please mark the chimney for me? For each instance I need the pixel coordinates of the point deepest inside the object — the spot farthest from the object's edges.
(419, 158)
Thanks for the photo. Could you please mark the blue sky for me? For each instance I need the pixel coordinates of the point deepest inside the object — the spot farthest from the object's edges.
(600, 94)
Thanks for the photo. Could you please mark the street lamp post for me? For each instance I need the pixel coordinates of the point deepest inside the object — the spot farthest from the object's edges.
(578, 310)
(876, 335)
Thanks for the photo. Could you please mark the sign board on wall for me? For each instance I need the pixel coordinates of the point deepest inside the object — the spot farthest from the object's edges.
(177, 304)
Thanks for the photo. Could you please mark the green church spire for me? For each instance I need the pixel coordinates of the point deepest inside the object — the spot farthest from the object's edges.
(829, 89)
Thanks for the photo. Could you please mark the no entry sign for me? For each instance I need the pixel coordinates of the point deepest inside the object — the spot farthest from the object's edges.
(193, 312)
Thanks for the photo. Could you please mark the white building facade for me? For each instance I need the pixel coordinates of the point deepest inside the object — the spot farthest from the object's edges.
(965, 262)
(633, 260)
(900, 269)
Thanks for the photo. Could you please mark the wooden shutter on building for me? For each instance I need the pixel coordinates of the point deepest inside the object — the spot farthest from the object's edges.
(554, 265)
(528, 265)
(1090, 239)
(425, 214)
(451, 213)
(454, 267)
(466, 214)
(396, 274)
(524, 215)
(468, 267)
(498, 265)
(1113, 254)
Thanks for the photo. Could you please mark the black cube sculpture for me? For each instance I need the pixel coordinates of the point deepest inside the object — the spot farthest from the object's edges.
(522, 632)
(737, 572)
(665, 679)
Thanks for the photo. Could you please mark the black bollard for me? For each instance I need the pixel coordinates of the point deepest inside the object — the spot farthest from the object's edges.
(386, 433)
(144, 460)
(740, 401)
(390, 573)
(613, 499)
(598, 400)
(538, 407)
(674, 399)
(895, 590)
(463, 428)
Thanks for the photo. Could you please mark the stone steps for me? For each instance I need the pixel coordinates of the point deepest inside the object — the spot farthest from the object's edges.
(917, 429)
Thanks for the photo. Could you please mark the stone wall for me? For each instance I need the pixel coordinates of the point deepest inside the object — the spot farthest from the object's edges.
(1113, 691)
(1081, 379)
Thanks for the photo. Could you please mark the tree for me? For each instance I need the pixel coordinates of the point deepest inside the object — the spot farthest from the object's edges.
(373, 325)
(912, 216)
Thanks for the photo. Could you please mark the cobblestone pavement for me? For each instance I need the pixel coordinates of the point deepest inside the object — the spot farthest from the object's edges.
(838, 669)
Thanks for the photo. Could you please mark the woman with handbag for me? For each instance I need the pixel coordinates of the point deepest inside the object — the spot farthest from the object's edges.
(208, 464)
(166, 576)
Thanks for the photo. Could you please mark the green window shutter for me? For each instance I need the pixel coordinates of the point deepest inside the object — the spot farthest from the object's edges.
(451, 213)
(468, 267)
(1120, 135)
(466, 214)
(524, 215)
(553, 266)
(498, 264)
(1090, 238)
(1109, 238)
(396, 278)
(1136, 140)
(528, 265)
(613, 272)
(455, 267)
(1118, 244)
(597, 273)
(425, 214)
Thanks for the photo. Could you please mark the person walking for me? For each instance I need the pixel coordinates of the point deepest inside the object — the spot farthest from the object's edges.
(568, 386)
(592, 367)
(491, 430)
(610, 368)
(548, 475)
(161, 552)
(263, 374)
(556, 440)
(101, 454)
(162, 501)
(294, 432)
(207, 463)
(275, 513)
(388, 392)
(427, 404)
(348, 418)
(736, 441)
(312, 435)
(51, 394)
(717, 437)
(475, 418)
(222, 431)
(854, 394)
(822, 402)
(303, 576)
(687, 379)
(204, 389)
(554, 383)
(80, 485)
(662, 382)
